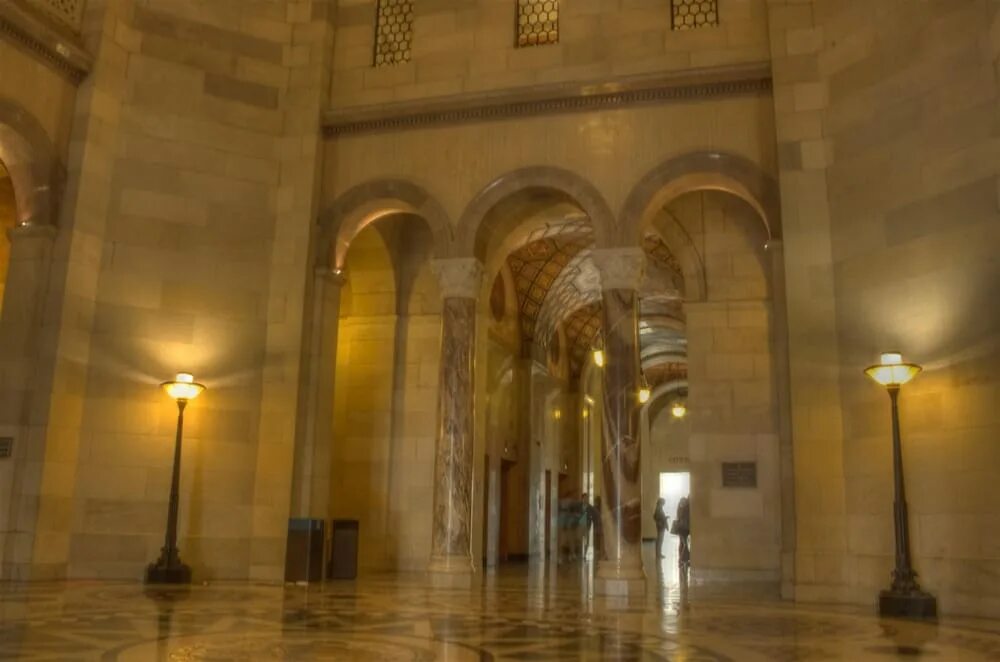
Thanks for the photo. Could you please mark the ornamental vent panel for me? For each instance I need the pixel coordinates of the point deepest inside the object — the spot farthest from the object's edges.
(690, 14)
(67, 12)
(393, 32)
(537, 22)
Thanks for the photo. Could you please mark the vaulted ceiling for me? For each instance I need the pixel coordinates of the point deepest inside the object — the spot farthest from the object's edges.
(557, 284)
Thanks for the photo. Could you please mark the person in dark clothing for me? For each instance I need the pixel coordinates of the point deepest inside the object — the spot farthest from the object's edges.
(592, 522)
(682, 529)
(661, 520)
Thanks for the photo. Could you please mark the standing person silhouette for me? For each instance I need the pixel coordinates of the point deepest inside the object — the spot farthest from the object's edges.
(682, 529)
(661, 520)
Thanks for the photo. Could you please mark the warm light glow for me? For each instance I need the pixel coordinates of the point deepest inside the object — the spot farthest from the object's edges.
(644, 395)
(891, 371)
(557, 414)
(679, 410)
(586, 413)
(183, 387)
(599, 358)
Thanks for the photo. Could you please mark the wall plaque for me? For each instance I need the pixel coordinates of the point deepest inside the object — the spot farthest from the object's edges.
(739, 474)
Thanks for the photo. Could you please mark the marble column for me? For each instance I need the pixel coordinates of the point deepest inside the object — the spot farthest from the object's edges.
(621, 572)
(451, 542)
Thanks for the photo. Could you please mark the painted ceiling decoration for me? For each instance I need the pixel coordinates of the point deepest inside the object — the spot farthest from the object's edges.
(557, 283)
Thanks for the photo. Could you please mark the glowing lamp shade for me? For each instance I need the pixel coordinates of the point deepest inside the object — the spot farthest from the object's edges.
(183, 387)
(644, 395)
(599, 358)
(679, 410)
(891, 371)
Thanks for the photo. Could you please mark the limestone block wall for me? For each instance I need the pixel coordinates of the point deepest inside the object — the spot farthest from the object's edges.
(888, 150)
(612, 150)
(46, 99)
(732, 399)
(181, 243)
(468, 47)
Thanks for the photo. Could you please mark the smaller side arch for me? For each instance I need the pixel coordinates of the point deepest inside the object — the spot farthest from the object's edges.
(28, 156)
(365, 203)
(474, 230)
(718, 171)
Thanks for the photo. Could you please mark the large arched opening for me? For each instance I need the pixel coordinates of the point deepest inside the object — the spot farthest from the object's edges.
(716, 214)
(366, 439)
(533, 230)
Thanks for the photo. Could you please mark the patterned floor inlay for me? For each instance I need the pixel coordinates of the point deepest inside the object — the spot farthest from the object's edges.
(544, 616)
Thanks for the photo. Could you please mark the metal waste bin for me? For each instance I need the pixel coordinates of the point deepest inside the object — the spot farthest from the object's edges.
(343, 549)
(304, 550)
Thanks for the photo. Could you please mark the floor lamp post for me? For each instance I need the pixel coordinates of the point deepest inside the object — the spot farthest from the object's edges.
(168, 569)
(904, 597)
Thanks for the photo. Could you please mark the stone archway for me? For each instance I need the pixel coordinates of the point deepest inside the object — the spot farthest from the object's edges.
(476, 230)
(700, 171)
(27, 154)
(366, 203)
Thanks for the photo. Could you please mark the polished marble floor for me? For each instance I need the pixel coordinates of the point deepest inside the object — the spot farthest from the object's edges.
(545, 613)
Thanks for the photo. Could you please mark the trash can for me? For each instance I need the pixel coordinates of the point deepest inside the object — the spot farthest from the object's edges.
(304, 550)
(343, 549)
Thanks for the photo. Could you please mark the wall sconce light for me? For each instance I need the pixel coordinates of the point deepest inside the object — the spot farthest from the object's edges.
(168, 568)
(644, 392)
(679, 409)
(557, 414)
(599, 358)
(904, 596)
(586, 413)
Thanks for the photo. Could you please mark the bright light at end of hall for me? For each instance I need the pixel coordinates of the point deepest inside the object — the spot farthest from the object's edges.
(183, 387)
(891, 370)
(599, 358)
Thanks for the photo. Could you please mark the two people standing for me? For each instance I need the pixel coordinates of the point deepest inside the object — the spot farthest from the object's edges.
(681, 528)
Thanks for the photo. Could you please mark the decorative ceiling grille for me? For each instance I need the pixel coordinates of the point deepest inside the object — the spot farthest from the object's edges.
(393, 32)
(690, 14)
(67, 12)
(537, 22)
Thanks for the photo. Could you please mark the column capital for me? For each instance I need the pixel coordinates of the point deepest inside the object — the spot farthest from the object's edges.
(458, 277)
(620, 268)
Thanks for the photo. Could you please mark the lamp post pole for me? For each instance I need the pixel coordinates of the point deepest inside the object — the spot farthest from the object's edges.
(168, 568)
(903, 578)
(903, 598)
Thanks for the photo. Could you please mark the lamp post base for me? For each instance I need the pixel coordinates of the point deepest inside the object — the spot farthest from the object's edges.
(914, 604)
(159, 573)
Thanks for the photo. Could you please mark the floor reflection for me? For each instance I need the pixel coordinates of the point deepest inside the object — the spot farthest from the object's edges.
(528, 612)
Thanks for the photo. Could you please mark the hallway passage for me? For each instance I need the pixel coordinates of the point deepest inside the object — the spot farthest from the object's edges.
(519, 614)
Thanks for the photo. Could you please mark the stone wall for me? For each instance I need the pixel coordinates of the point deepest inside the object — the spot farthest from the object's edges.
(468, 47)
(889, 151)
(184, 228)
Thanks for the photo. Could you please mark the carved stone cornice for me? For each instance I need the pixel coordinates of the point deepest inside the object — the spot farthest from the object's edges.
(691, 84)
(53, 44)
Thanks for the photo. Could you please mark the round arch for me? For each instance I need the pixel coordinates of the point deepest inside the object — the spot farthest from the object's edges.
(366, 203)
(700, 171)
(28, 156)
(476, 229)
